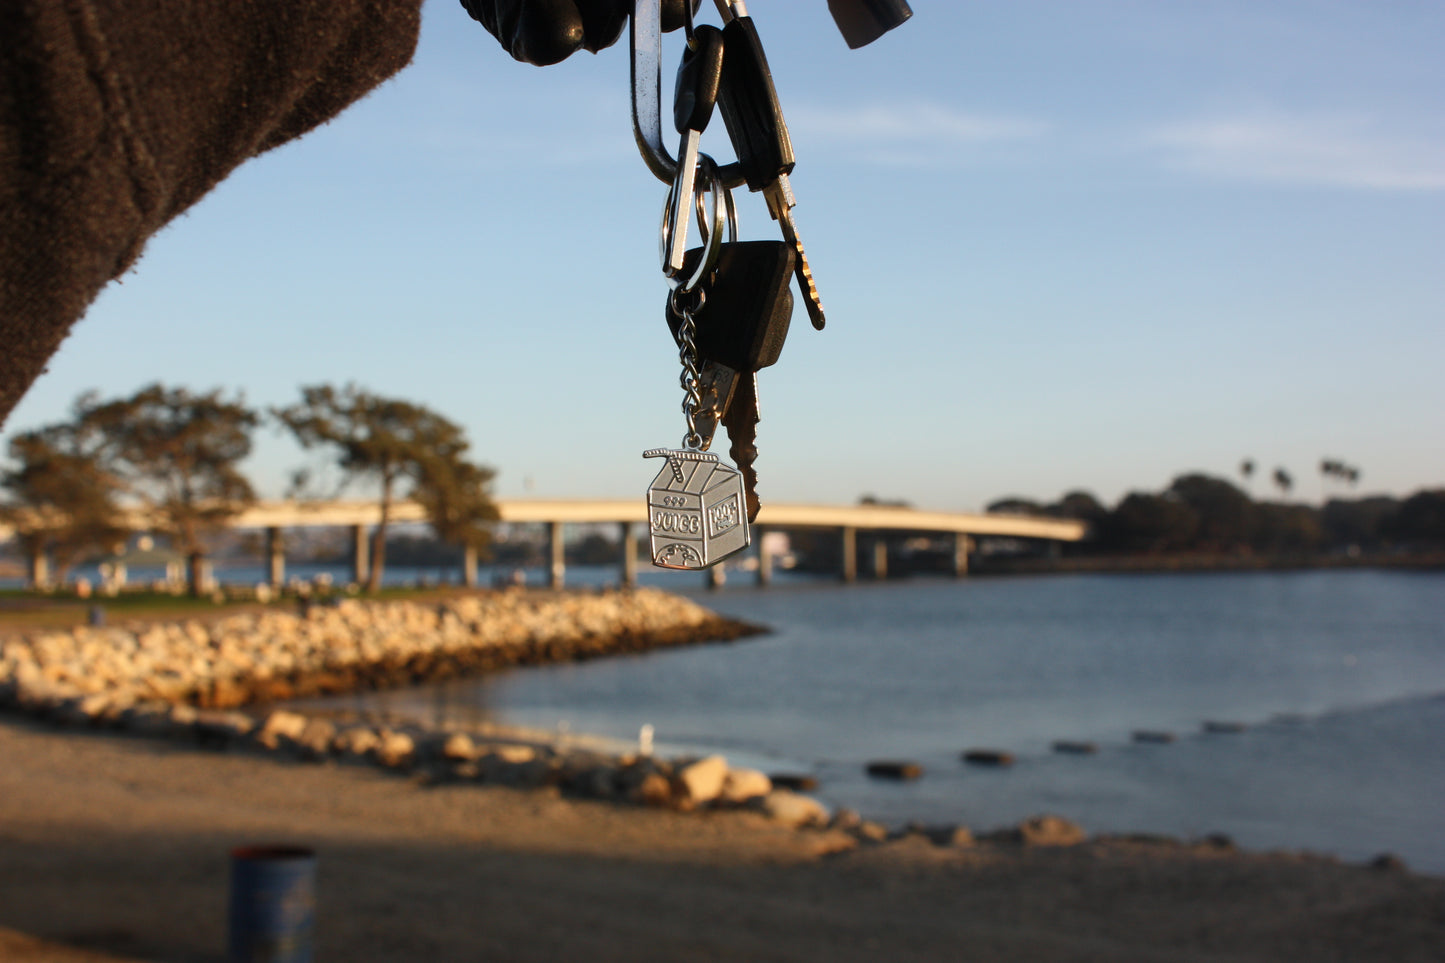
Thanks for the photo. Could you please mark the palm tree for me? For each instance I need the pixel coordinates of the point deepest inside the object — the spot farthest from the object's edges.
(1284, 480)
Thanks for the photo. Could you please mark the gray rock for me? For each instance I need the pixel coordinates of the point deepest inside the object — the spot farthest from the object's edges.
(459, 747)
(701, 781)
(988, 757)
(947, 835)
(315, 740)
(395, 750)
(148, 719)
(654, 789)
(1044, 830)
(355, 743)
(871, 832)
(743, 785)
(280, 724)
(793, 809)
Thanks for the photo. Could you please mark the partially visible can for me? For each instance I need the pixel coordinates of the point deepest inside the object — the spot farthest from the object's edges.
(273, 904)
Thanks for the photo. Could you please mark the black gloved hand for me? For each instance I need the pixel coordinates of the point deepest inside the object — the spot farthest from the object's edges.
(544, 32)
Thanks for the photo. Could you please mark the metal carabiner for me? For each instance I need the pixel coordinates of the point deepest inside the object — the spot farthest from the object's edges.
(645, 37)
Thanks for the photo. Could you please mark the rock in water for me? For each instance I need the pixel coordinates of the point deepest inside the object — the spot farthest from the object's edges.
(894, 769)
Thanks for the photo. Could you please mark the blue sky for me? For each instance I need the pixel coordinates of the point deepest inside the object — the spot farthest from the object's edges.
(1062, 245)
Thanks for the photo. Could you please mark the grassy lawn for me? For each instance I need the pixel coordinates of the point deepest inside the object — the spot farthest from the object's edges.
(24, 611)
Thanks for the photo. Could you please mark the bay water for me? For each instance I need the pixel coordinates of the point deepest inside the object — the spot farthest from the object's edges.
(1331, 685)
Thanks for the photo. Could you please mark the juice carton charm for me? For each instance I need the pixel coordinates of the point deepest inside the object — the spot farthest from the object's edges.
(695, 510)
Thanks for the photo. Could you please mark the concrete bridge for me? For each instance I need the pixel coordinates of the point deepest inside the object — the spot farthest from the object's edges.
(847, 520)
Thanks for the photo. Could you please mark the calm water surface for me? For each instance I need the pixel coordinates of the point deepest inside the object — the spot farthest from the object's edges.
(1339, 678)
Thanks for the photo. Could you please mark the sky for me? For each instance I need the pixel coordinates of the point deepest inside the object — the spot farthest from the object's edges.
(1062, 246)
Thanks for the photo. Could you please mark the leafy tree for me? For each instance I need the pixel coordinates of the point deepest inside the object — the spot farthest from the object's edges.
(1335, 468)
(1225, 514)
(1013, 505)
(406, 450)
(62, 496)
(454, 493)
(1145, 522)
(1361, 522)
(178, 453)
(1420, 521)
(1078, 504)
(1287, 528)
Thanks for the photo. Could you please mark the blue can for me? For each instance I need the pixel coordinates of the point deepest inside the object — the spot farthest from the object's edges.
(273, 904)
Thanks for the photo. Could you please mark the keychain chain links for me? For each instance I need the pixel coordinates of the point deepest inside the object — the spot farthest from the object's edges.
(690, 379)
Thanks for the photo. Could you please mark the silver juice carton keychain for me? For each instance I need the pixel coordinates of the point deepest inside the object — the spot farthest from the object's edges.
(695, 510)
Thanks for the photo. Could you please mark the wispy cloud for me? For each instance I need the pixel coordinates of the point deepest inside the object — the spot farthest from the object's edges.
(909, 133)
(1328, 151)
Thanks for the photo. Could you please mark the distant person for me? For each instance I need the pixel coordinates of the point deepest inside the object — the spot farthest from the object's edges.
(117, 115)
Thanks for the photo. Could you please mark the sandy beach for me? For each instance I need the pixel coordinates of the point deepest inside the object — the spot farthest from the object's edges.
(116, 846)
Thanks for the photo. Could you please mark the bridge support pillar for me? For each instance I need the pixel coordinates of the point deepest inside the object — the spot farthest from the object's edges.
(557, 576)
(39, 569)
(275, 558)
(880, 557)
(850, 554)
(360, 555)
(469, 566)
(629, 555)
(961, 545)
(765, 558)
(716, 577)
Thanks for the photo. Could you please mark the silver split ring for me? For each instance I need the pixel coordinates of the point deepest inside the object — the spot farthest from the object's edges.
(675, 215)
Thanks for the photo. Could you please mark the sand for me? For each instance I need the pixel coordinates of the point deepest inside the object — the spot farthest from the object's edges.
(118, 845)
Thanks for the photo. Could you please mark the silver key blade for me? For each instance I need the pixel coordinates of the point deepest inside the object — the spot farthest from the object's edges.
(716, 384)
(779, 196)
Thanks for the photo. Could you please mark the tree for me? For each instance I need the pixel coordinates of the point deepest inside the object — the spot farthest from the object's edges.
(62, 497)
(1145, 522)
(1014, 505)
(454, 493)
(406, 450)
(1226, 514)
(1078, 504)
(1420, 521)
(1360, 523)
(1287, 528)
(1246, 469)
(178, 453)
(1335, 468)
(1283, 480)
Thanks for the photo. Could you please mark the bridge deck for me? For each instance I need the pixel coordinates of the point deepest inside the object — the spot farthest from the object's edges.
(872, 517)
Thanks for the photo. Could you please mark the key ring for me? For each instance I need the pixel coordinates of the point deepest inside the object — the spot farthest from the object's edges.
(675, 215)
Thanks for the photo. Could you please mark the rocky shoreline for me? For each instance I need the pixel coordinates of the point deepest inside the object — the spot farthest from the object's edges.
(210, 684)
(348, 645)
(191, 680)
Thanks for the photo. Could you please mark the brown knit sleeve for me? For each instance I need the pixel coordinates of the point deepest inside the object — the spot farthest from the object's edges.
(117, 115)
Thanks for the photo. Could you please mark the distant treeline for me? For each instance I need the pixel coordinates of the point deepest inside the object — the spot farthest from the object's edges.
(1199, 513)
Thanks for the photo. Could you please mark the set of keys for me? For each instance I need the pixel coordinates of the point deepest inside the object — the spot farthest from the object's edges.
(730, 303)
